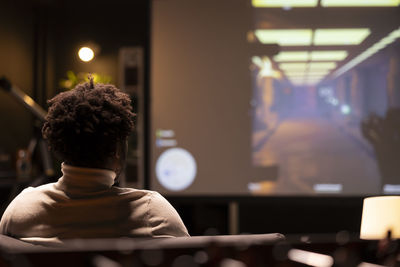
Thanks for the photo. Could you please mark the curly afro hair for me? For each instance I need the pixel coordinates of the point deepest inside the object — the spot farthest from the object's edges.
(85, 125)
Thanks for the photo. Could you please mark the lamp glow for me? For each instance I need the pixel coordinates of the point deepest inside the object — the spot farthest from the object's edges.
(86, 54)
(340, 36)
(380, 215)
(359, 3)
(286, 37)
(310, 258)
(285, 3)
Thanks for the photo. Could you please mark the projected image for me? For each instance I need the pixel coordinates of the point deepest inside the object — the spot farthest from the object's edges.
(325, 108)
(275, 97)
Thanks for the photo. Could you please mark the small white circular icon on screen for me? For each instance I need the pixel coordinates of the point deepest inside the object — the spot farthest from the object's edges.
(176, 169)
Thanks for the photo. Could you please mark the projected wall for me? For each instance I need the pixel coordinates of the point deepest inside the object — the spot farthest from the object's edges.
(275, 97)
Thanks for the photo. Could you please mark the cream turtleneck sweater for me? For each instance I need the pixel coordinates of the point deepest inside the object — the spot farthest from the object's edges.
(84, 204)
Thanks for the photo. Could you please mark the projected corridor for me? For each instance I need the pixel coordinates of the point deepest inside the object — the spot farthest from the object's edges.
(311, 150)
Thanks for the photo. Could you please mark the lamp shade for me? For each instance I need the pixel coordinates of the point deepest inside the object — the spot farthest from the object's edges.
(380, 215)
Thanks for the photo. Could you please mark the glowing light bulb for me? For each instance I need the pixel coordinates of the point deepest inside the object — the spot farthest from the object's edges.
(86, 54)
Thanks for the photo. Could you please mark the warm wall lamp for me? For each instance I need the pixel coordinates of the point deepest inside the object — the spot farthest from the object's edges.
(88, 51)
(86, 54)
(380, 216)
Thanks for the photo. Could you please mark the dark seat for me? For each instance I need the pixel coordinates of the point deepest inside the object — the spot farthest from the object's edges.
(139, 251)
(12, 245)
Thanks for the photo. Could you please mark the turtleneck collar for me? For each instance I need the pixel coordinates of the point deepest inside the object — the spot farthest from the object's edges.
(89, 179)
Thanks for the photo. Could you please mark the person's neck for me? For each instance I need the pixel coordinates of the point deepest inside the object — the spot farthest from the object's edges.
(106, 165)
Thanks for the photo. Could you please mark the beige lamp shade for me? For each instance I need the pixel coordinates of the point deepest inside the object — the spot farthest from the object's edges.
(380, 214)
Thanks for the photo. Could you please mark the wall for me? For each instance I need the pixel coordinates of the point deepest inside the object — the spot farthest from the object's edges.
(110, 26)
(16, 63)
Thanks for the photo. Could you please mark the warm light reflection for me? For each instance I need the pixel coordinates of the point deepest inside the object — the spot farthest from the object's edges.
(366, 264)
(285, 3)
(328, 55)
(28, 100)
(292, 56)
(287, 37)
(359, 3)
(340, 36)
(86, 54)
(310, 258)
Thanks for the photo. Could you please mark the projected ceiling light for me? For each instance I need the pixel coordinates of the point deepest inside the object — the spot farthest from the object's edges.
(293, 66)
(316, 76)
(295, 73)
(340, 36)
(286, 37)
(359, 3)
(285, 3)
(317, 72)
(86, 54)
(291, 56)
(322, 65)
(390, 38)
(297, 79)
(328, 55)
